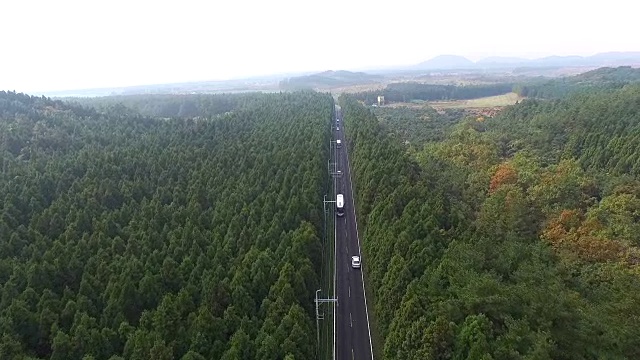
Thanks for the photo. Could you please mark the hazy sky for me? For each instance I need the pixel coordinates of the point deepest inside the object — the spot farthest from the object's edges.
(68, 44)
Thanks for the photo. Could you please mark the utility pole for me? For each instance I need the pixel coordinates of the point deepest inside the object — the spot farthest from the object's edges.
(320, 316)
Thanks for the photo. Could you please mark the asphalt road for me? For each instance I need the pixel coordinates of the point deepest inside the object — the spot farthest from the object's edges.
(353, 336)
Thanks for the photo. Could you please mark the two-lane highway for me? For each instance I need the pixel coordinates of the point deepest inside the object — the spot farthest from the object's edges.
(353, 335)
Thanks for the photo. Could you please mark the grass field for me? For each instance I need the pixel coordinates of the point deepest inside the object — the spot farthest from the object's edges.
(485, 102)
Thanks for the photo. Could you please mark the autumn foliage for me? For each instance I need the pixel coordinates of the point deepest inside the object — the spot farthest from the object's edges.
(505, 174)
(573, 235)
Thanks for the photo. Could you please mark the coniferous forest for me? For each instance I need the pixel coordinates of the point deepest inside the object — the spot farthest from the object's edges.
(512, 237)
(124, 236)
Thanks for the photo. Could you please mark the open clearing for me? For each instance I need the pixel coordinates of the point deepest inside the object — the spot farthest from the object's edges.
(485, 102)
(480, 103)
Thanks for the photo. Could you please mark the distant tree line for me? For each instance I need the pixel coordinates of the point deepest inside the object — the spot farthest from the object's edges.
(170, 106)
(327, 79)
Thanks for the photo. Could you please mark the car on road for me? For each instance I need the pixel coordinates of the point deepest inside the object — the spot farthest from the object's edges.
(355, 262)
(337, 128)
(340, 205)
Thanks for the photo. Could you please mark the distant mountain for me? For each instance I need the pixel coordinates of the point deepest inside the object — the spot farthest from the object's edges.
(451, 62)
(615, 59)
(616, 55)
(445, 62)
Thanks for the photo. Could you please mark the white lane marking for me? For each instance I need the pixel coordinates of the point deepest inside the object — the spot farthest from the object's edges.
(349, 290)
(350, 320)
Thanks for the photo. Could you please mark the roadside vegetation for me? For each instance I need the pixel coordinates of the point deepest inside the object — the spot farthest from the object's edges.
(509, 237)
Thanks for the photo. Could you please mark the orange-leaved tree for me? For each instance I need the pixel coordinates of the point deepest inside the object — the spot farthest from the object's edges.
(505, 174)
(574, 236)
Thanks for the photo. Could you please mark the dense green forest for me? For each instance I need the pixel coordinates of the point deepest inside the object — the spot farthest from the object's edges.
(408, 91)
(129, 237)
(415, 126)
(512, 238)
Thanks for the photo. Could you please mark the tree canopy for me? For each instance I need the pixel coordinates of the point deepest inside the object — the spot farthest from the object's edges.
(125, 236)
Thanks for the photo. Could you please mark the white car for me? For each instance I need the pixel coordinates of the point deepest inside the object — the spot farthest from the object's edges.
(355, 262)
(337, 128)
